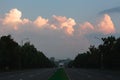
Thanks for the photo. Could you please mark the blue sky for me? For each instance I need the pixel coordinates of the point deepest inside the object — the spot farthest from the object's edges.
(79, 9)
(59, 28)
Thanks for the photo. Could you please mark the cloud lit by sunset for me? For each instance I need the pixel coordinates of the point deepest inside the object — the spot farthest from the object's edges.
(67, 24)
(13, 19)
(106, 25)
(86, 28)
(40, 22)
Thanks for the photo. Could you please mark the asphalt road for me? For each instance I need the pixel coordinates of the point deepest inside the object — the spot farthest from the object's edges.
(36, 74)
(89, 74)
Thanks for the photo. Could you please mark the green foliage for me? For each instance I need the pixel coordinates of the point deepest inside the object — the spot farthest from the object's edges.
(14, 56)
(59, 75)
(106, 55)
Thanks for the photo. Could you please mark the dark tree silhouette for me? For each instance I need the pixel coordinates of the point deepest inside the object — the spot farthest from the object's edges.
(9, 53)
(13, 56)
(106, 55)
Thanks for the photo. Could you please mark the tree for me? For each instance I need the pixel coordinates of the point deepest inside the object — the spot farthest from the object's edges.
(9, 50)
(106, 55)
(14, 56)
(31, 58)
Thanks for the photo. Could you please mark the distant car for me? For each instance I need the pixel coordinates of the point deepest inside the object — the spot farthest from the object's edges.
(61, 64)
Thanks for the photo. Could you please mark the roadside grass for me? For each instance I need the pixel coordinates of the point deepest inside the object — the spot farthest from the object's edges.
(59, 75)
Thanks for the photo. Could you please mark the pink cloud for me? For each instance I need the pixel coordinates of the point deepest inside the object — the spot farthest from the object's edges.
(66, 24)
(52, 26)
(26, 21)
(86, 27)
(13, 19)
(60, 19)
(106, 25)
(40, 22)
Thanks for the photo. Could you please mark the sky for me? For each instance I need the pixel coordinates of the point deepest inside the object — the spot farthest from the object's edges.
(60, 28)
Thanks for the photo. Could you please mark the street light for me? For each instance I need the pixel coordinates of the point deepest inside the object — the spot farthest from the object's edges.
(25, 39)
(20, 55)
(101, 56)
(102, 67)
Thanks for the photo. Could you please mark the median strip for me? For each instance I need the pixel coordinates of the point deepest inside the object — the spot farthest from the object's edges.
(59, 75)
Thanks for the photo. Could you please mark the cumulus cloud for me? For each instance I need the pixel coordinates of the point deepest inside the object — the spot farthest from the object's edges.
(86, 27)
(58, 23)
(106, 25)
(25, 21)
(13, 18)
(60, 19)
(67, 24)
(40, 22)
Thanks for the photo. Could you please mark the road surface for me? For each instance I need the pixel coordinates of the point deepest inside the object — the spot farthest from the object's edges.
(89, 74)
(36, 74)
(73, 74)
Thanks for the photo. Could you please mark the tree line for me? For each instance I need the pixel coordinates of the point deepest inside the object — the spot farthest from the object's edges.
(105, 56)
(14, 56)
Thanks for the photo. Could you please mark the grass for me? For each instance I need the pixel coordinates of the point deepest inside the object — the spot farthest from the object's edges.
(59, 75)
